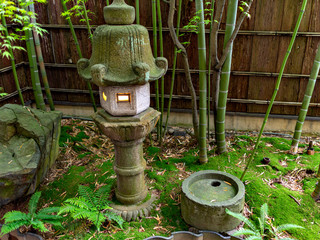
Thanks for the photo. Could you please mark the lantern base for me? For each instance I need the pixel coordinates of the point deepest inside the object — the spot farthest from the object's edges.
(136, 211)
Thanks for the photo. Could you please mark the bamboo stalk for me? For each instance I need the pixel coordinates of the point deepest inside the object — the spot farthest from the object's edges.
(155, 54)
(137, 12)
(306, 102)
(173, 68)
(209, 72)
(87, 21)
(202, 85)
(303, 7)
(13, 63)
(161, 55)
(41, 62)
(38, 96)
(64, 7)
(221, 101)
(107, 1)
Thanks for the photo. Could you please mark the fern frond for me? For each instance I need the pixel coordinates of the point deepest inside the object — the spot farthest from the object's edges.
(46, 217)
(244, 231)
(9, 227)
(80, 202)
(67, 208)
(87, 193)
(101, 196)
(14, 216)
(34, 202)
(115, 217)
(37, 224)
(242, 218)
(254, 238)
(85, 214)
(263, 214)
(54, 222)
(286, 227)
(49, 210)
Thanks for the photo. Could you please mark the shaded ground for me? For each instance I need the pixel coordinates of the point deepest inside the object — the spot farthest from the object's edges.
(86, 158)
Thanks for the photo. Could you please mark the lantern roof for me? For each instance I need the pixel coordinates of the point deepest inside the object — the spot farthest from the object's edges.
(121, 51)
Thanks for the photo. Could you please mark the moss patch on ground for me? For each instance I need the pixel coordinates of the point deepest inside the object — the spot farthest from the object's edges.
(166, 169)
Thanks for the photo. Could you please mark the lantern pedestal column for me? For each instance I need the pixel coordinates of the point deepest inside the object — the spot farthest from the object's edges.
(127, 134)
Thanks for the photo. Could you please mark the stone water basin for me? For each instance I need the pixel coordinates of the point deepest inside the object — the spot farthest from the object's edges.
(205, 197)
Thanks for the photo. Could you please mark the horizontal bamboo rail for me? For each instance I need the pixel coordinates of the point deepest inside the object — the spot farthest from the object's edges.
(194, 71)
(177, 97)
(241, 32)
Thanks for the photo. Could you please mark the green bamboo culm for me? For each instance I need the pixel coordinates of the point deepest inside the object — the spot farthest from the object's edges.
(306, 102)
(41, 62)
(107, 2)
(35, 79)
(209, 70)
(87, 20)
(65, 9)
(13, 63)
(161, 55)
(293, 38)
(137, 11)
(173, 68)
(202, 139)
(224, 80)
(155, 54)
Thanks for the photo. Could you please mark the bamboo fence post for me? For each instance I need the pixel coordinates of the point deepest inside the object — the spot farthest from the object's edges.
(293, 38)
(13, 64)
(41, 62)
(203, 85)
(306, 103)
(64, 6)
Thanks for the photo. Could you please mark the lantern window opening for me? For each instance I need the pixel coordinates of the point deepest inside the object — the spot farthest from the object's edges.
(123, 97)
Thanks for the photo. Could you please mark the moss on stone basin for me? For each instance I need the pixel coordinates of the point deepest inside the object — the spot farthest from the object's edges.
(213, 190)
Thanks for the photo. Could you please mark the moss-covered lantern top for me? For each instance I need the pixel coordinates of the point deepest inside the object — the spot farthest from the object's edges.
(121, 51)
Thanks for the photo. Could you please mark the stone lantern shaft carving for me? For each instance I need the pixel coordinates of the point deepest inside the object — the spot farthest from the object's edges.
(122, 65)
(122, 61)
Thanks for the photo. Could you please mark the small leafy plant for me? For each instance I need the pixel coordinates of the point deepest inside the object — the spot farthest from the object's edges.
(2, 94)
(265, 230)
(16, 219)
(91, 205)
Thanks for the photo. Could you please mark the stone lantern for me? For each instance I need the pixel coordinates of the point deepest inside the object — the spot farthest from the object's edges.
(122, 65)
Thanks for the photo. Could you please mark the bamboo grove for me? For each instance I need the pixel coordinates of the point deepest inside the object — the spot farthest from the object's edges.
(214, 64)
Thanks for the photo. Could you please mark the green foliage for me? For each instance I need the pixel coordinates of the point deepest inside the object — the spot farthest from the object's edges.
(17, 13)
(91, 206)
(78, 10)
(2, 94)
(264, 230)
(16, 219)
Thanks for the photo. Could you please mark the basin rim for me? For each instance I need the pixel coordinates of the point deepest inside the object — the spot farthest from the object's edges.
(230, 202)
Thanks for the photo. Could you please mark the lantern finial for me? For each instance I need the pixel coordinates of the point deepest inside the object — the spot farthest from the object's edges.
(119, 13)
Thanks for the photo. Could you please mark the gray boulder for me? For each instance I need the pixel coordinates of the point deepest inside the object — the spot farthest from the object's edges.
(29, 145)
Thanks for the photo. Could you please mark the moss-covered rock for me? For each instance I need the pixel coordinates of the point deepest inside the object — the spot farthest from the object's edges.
(29, 145)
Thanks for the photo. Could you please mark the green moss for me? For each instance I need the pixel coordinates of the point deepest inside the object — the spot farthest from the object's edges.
(167, 179)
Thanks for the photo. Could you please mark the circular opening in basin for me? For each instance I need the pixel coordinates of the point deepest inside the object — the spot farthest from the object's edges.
(215, 184)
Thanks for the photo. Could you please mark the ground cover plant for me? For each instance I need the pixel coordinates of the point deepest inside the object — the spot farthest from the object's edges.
(86, 159)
